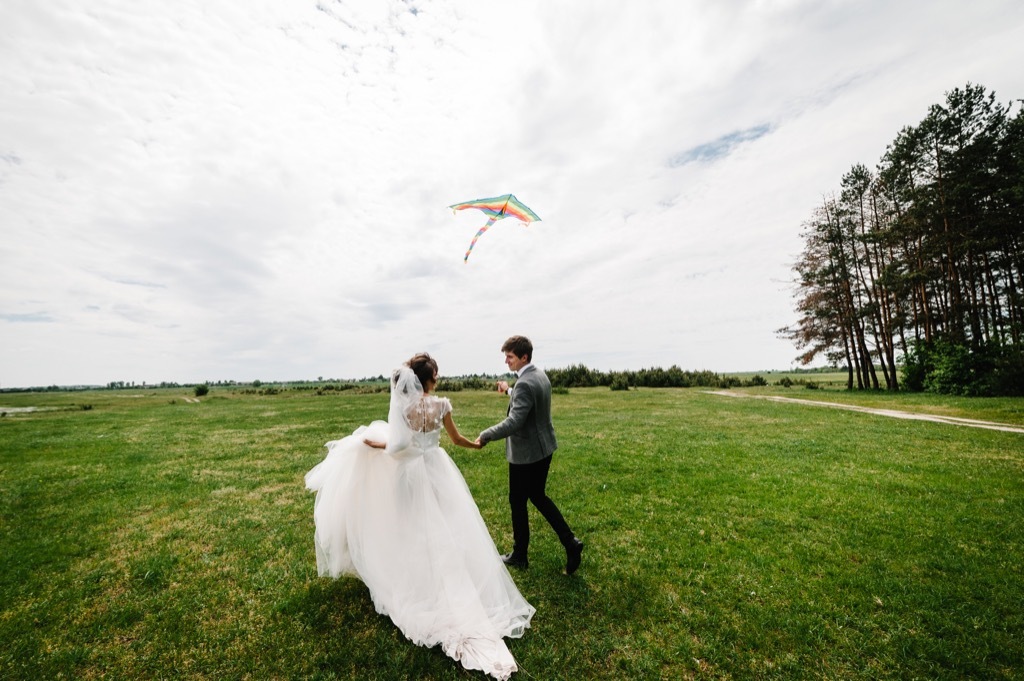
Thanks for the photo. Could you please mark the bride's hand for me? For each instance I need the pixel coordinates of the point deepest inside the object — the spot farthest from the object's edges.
(375, 444)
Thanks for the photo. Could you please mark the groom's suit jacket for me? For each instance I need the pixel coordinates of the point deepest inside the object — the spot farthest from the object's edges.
(528, 431)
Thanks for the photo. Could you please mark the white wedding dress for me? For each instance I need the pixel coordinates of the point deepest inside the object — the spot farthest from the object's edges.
(403, 520)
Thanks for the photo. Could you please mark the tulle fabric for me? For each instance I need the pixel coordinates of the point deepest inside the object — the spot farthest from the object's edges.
(405, 523)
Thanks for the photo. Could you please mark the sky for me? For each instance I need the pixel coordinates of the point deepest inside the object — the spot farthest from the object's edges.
(219, 190)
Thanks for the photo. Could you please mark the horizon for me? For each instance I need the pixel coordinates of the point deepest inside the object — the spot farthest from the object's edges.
(367, 378)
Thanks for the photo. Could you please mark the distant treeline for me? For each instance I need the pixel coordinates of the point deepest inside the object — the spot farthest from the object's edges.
(579, 376)
(574, 376)
(917, 267)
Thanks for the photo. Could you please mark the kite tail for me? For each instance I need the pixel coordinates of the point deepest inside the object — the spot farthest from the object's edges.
(477, 236)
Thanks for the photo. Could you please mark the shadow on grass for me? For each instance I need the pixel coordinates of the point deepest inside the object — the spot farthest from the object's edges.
(349, 639)
(327, 605)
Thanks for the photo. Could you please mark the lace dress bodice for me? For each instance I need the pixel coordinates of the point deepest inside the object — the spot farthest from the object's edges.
(425, 418)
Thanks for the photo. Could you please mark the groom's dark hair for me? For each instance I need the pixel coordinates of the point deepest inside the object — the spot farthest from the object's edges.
(520, 346)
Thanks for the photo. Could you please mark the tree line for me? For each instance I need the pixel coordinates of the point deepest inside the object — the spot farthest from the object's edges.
(580, 376)
(573, 376)
(911, 274)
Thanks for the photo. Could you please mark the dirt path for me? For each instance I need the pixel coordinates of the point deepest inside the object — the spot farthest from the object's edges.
(951, 420)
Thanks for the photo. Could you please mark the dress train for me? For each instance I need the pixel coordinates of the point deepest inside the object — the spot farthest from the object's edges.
(406, 524)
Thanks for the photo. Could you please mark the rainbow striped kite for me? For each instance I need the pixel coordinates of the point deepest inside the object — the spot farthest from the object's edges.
(497, 208)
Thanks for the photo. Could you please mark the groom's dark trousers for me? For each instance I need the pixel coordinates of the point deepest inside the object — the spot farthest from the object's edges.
(526, 482)
(529, 443)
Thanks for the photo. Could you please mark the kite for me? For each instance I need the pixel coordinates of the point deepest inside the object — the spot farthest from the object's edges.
(498, 208)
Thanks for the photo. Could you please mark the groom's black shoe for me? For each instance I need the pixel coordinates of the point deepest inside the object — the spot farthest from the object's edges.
(512, 560)
(573, 555)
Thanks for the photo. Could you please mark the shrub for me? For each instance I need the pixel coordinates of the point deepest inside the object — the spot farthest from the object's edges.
(448, 385)
(620, 382)
(954, 368)
(915, 368)
(786, 382)
(1008, 375)
(576, 376)
(476, 383)
(201, 390)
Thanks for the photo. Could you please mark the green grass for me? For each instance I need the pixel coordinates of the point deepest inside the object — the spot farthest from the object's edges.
(147, 537)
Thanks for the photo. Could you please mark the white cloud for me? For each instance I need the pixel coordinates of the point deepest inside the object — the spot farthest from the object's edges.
(212, 190)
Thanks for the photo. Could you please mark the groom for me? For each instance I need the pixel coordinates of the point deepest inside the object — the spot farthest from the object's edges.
(529, 443)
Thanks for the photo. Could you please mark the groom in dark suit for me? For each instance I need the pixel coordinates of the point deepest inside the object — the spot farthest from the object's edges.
(529, 443)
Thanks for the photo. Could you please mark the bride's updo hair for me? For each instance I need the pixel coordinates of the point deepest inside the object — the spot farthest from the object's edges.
(424, 366)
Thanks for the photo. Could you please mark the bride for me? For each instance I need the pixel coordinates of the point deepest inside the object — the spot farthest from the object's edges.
(393, 510)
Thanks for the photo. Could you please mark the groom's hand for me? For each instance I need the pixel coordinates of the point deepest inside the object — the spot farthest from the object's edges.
(502, 386)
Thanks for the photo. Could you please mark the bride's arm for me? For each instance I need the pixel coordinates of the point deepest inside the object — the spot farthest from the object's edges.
(456, 436)
(375, 444)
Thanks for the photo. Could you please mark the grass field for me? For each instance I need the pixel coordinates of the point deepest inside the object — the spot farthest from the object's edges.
(146, 537)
